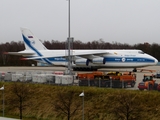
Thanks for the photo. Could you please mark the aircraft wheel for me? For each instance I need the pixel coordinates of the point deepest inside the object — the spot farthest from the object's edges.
(141, 89)
(132, 84)
(155, 86)
(134, 70)
(107, 84)
(125, 85)
(150, 87)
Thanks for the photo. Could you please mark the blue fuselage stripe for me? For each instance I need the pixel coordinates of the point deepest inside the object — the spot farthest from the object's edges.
(35, 50)
(129, 59)
(109, 60)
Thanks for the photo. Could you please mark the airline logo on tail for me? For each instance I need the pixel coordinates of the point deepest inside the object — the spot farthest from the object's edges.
(31, 44)
(30, 36)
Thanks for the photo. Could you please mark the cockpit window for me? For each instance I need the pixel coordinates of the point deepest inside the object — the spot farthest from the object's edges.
(140, 52)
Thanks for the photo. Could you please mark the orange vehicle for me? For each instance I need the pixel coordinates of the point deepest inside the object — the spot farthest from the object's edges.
(89, 76)
(88, 79)
(148, 83)
(111, 79)
(127, 78)
(158, 87)
(114, 75)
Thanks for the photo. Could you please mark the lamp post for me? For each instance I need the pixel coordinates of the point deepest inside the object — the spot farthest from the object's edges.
(2, 88)
(69, 41)
(82, 95)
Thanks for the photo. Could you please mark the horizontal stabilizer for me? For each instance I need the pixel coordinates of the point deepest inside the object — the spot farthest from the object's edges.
(18, 53)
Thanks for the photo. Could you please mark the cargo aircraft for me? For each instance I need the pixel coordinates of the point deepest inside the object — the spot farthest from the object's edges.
(83, 59)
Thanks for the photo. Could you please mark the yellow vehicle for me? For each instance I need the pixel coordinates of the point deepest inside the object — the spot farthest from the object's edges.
(127, 78)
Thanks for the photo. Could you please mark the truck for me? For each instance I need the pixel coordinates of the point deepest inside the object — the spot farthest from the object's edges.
(158, 87)
(87, 79)
(111, 79)
(126, 78)
(148, 83)
(89, 75)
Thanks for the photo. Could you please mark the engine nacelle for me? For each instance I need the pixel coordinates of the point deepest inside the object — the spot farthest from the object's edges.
(99, 60)
(82, 62)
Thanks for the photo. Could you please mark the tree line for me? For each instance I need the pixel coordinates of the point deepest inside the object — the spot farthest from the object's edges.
(10, 60)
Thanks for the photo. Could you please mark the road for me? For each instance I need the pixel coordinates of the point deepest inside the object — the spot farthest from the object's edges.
(4, 118)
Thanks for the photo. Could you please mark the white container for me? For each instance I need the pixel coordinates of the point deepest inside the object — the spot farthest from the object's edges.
(35, 78)
(20, 72)
(28, 73)
(17, 77)
(2, 75)
(8, 77)
(58, 79)
(67, 80)
(50, 78)
(41, 78)
(28, 78)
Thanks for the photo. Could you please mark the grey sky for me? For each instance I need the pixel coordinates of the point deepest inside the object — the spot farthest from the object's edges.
(123, 21)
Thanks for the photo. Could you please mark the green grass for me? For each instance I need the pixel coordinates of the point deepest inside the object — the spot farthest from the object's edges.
(100, 103)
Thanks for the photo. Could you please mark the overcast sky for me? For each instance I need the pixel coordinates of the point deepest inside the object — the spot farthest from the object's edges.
(122, 21)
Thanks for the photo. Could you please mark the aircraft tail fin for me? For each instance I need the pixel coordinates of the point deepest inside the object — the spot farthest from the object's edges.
(31, 41)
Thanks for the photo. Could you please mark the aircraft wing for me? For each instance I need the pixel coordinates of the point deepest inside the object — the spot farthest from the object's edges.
(79, 54)
(90, 55)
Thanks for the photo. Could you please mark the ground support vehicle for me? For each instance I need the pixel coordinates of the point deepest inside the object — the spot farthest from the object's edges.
(123, 80)
(157, 75)
(148, 83)
(158, 87)
(114, 80)
(87, 79)
(88, 76)
(97, 83)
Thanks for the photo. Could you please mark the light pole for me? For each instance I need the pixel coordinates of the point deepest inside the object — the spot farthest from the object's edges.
(82, 95)
(69, 19)
(69, 41)
(2, 88)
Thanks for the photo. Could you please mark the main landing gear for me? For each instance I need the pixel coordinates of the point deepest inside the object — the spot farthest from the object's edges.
(84, 69)
(134, 70)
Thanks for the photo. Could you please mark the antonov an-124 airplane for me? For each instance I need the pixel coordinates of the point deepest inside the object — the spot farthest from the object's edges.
(83, 59)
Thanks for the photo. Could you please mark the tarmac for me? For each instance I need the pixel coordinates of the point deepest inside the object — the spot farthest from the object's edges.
(140, 71)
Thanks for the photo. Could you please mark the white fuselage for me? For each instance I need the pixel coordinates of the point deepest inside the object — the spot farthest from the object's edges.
(96, 58)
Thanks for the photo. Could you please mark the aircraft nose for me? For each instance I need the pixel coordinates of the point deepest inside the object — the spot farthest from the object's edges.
(155, 61)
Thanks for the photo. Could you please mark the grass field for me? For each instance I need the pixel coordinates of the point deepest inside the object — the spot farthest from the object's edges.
(48, 102)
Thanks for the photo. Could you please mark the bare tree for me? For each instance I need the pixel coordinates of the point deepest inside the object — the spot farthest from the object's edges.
(126, 106)
(21, 93)
(66, 103)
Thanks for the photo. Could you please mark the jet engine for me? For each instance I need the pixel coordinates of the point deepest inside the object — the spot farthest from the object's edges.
(99, 60)
(82, 62)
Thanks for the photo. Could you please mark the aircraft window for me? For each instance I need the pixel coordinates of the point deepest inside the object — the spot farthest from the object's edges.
(140, 52)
